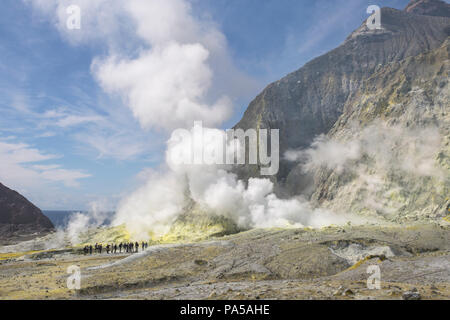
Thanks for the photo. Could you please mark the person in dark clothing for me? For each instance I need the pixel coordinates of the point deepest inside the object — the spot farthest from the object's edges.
(100, 248)
(136, 245)
(115, 248)
(96, 247)
(107, 248)
(90, 249)
(131, 247)
(120, 247)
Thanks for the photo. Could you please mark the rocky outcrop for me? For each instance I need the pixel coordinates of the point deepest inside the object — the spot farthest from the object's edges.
(19, 217)
(308, 102)
(402, 69)
(400, 121)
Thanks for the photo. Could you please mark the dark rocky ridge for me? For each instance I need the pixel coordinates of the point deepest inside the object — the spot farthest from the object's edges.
(309, 101)
(19, 218)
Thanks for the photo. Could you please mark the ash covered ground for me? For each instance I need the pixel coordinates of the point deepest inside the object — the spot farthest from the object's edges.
(326, 263)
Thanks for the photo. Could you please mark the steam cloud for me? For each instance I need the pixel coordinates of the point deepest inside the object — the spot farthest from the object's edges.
(79, 222)
(168, 73)
(392, 148)
(372, 157)
(156, 205)
(169, 67)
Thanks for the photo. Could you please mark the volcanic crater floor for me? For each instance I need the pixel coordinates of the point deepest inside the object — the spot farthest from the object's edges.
(330, 263)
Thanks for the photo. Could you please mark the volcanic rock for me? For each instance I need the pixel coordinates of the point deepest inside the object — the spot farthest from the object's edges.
(394, 79)
(19, 218)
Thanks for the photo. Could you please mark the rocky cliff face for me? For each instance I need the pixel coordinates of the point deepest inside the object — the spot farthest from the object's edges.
(429, 8)
(393, 81)
(19, 217)
(399, 123)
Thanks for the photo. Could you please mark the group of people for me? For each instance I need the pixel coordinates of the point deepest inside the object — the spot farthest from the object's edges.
(127, 247)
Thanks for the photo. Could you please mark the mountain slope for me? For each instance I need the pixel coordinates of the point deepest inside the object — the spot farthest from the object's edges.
(400, 122)
(19, 217)
(367, 123)
(429, 8)
(309, 101)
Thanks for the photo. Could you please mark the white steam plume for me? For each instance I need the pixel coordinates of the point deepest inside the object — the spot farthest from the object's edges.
(165, 86)
(387, 166)
(166, 64)
(81, 222)
(392, 148)
(155, 206)
(162, 61)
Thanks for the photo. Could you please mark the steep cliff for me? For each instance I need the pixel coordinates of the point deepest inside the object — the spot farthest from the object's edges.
(389, 84)
(399, 122)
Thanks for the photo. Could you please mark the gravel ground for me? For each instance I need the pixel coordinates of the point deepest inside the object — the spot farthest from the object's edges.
(331, 263)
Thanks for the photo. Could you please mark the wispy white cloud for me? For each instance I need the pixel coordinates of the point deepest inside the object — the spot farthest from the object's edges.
(120, 146)
(19, 169)
(327, 22)
(68, 177)
(65, 118)
(22, 153)
(389, 148)
(99, 129)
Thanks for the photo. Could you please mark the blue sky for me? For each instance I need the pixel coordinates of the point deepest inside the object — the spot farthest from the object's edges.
(75, 128)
